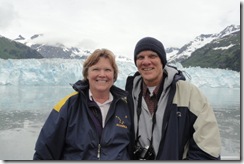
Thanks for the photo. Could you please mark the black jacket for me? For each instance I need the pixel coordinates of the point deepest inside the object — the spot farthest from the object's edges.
(186, 127)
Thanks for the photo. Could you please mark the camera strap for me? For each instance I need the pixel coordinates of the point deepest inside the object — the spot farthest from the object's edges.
(139, 109)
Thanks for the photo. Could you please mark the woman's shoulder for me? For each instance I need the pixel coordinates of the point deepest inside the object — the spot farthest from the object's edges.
(61, 102)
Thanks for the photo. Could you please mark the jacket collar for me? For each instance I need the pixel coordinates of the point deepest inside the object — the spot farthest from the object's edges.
(82, 85)
(169, 71)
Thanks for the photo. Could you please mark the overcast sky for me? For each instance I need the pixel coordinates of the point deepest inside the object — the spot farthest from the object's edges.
(117, 24)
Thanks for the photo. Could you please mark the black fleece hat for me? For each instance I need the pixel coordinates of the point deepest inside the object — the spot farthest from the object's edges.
(149, 43)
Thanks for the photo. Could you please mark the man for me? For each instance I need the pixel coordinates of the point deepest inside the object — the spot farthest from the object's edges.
(173, 119)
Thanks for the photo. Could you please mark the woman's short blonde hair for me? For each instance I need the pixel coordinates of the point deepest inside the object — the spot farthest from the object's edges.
(94, 58)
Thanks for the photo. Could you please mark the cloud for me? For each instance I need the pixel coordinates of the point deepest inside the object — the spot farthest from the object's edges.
(7, 15)
(117, 25)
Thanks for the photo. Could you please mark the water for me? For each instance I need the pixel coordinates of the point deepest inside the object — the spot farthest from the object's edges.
(226, 105)
(23, 110)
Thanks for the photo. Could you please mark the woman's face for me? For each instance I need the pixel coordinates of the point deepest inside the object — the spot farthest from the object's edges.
(101, 76)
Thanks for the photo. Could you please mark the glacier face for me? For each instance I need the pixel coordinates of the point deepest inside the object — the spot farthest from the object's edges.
(62, 72)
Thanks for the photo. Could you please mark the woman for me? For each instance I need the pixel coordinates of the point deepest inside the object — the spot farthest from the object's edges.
(93, 123)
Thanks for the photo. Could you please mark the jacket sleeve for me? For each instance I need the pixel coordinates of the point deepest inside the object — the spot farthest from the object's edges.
(205, 143)
(49, 145)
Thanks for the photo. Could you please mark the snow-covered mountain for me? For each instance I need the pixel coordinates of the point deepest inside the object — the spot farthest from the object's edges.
(52, 50)
(57, 50)
(178, 55)
(174, 54)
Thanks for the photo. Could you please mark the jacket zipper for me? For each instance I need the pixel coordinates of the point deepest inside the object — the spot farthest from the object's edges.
(98, 151)
(99, 145)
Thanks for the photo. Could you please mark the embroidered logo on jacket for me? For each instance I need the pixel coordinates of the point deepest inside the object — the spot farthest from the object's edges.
(124, 99)
(121, 123)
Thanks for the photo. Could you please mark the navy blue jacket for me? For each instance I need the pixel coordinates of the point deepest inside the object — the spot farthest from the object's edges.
(73, 130)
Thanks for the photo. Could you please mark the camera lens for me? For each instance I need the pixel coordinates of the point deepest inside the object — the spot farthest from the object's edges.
(146, 153)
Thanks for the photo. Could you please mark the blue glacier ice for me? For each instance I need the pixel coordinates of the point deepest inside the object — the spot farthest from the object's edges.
(62, 72)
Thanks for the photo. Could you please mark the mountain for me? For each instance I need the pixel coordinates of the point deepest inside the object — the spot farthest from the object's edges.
(186, 51)
(53, 50)
(10, 49)
(58, 50)
(224, 53)
(221, 50)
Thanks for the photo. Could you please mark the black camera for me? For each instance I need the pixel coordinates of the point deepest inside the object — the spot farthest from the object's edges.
(146, 153)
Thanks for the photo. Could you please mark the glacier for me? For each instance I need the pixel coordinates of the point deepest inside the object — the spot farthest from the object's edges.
(63, 72)
(29, 88)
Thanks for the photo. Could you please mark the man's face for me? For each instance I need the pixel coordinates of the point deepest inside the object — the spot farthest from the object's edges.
(150, 67)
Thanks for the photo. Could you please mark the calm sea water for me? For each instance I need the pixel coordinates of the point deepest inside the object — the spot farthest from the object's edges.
(23, 110)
